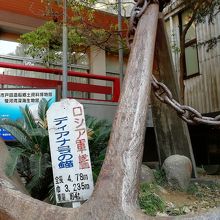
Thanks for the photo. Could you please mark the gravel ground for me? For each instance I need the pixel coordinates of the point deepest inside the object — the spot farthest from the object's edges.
(203, 194)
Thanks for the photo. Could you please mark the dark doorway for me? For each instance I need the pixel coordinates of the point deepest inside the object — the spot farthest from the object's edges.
(150, 147)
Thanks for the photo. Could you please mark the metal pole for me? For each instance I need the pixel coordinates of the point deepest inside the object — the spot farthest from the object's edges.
(64, 84)
(120, 45)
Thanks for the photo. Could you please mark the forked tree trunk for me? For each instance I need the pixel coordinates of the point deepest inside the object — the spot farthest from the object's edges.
(115, 194)
(116, 191)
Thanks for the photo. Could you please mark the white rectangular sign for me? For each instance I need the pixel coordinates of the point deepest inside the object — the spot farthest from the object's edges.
(73, 181)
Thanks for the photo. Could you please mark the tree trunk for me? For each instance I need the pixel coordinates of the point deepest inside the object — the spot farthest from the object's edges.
(182, 67)
(115, 195)
(116, 191)
(182, 53)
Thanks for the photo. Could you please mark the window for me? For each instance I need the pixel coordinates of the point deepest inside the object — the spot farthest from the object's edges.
(191, 53)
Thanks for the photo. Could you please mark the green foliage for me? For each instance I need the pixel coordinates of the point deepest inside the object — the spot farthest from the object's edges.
(175, 211)
(192, 189)
(11, 163)
(175, 48)
(209, 10)
(201, 190)
(149, 201)
(31, 157)
(210, 44)
(202, 11)
(45, 42)
(17, 130)
(39, 164)
(160, 177)
(51, 193)
(42, 110)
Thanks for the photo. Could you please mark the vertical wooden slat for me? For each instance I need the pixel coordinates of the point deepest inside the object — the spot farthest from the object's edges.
(171, 132)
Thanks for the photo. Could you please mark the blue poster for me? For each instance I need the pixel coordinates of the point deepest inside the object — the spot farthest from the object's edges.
(12, 99)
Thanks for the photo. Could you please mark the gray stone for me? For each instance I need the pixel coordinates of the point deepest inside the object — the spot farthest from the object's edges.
(147, 174)
(178, 171)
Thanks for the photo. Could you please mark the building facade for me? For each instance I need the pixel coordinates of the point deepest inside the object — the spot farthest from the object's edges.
(202, 73)
(19, 17)
(201, 76)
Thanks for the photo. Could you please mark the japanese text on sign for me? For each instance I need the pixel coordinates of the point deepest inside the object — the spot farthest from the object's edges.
(73, 181)
(23, 96)
(65, 156)
(12, 99)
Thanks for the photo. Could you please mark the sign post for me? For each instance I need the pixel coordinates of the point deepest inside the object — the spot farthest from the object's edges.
(72, 173)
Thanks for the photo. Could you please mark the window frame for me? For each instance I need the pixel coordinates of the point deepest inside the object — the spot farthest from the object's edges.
(187, 44)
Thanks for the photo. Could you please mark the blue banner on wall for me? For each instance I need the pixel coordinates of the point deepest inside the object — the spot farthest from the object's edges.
(12, 99)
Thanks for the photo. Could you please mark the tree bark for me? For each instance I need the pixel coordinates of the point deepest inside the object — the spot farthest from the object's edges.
(182, 67)
(116, 191)
(115, 195)
(182, 61)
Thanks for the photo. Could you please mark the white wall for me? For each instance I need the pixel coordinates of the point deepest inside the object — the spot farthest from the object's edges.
(97, 63)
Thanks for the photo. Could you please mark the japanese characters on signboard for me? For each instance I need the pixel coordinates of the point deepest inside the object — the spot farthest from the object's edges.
(73, 181)
(12, 99)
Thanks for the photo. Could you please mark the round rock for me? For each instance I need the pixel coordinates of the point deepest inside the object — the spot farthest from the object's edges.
(147, 174)
(178, 171)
